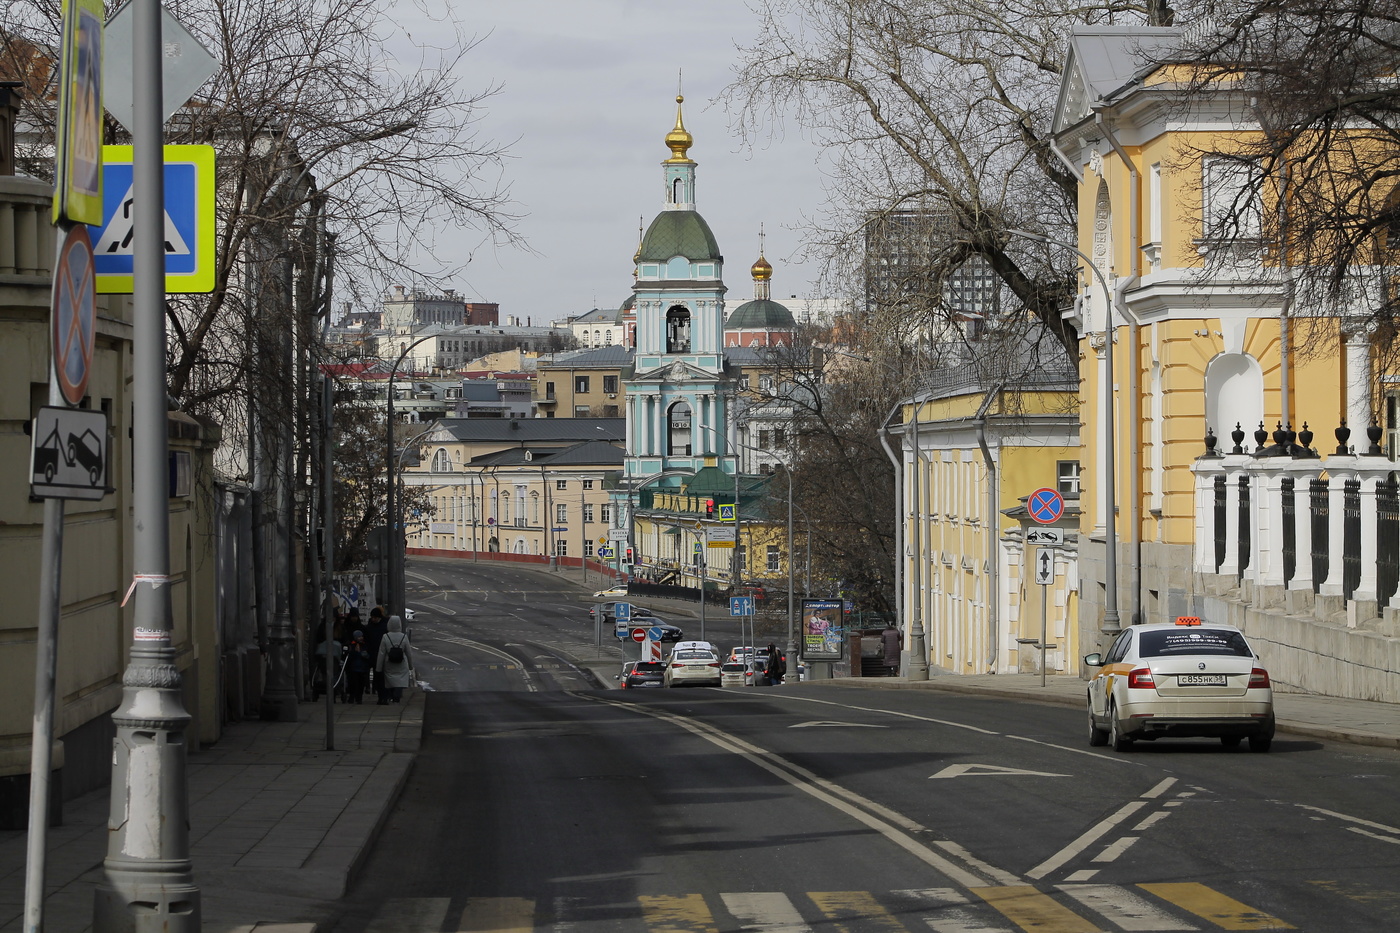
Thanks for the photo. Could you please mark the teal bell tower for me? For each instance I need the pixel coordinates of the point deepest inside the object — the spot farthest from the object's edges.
(679, 394)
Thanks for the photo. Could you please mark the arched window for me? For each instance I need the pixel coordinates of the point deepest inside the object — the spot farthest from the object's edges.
(607, 338)
(677, 192)
(505, 507)
(678, 329)
(441, 462)
(534, 508)
(585, 338)
(1234, 394)
(678, 430)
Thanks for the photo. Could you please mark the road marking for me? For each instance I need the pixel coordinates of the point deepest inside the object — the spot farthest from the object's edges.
(953, 913)
(1215, 907)
(1111, 852)
(971, 770)
(686, 913)
(1124, 909)
(854, 725)
(855, 905)
(1152, 819)
(1092, 834)
(498, 915)
(893, 826)
(409, 913)
(765, 912)
(1350, 819)
(1032, 910)
(1366, 832)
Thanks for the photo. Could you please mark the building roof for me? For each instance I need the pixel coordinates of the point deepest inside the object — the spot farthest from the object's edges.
(586, 454)
(610, 357)
(534, 430)
(762, 314)
(597, 316)
(679, 233)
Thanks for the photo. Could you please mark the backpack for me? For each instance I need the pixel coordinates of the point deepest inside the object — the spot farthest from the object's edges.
(395, 655)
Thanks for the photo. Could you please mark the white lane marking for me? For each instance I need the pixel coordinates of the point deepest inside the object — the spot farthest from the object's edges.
(1111, 852)
(1101, 756)
(971, 770)
(409, 913)
(436, 655)
(1125, 909)
(893, 826)
(1093, 833)
(765, 912)
(1161, 789)
(853, 725)
(967, 858)
(1084, 874)
(1351, 819)
(468, 643)
(953, 913)
(1151, 819)
(1365, 832)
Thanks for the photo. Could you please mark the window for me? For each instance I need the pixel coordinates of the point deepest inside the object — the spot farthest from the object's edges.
(561, 512)
(561, 484)
(779, 437)
(580, 411)
(587, 512)
(607, 338)
(610, 384)
(1230, 192)
(587, 548)
(581, 385)
(678, 330)
(588, 484)
(609, 411)
(772, 558)
(1067, 478)
(765, 439)
(605, 513)
(561, 547)
(441, 463)
(549, 390)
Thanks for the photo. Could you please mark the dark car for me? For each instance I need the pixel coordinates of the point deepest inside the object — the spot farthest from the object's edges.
(610, 612)
(646, 674)
(669, 633)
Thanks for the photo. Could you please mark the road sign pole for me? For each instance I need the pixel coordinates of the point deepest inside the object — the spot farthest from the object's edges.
(1044, 602)
(149, 879)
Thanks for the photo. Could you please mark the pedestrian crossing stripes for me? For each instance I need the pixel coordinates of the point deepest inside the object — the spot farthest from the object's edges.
(1065, 908)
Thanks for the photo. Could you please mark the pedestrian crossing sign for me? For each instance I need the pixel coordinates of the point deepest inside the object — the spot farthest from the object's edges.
(726, 512)
(189, 221)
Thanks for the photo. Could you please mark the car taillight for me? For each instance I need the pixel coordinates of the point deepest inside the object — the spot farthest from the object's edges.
(1141, 678)
(677, 664)
(713, 664)
(1258, 678)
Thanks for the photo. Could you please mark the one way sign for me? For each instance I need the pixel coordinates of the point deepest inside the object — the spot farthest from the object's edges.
(1044, 565)
(189, 220)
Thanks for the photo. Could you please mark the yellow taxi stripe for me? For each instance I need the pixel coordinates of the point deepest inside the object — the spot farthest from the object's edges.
(498, 915)
(1215, 907)
(685, 914)
(854, 905)
(1031, 910)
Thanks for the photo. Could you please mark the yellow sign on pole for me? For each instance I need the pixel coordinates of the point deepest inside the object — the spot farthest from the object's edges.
(78, 153)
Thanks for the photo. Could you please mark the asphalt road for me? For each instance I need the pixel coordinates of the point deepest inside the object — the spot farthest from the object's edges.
(541, 802)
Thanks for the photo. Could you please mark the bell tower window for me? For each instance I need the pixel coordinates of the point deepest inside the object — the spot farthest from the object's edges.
(678, 330)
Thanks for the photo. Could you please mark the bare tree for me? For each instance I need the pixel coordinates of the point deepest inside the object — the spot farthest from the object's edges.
(936, 107)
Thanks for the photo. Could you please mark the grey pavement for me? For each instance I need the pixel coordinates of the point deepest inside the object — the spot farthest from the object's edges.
(279, 826)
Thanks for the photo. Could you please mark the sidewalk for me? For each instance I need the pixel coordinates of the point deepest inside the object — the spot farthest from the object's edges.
(1360, 722)
(278, 825)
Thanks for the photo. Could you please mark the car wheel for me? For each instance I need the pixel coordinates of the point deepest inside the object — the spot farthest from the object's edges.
(1116, 738)
(48, 472)
(1097, 736)
(1230, 741)
(1260, 743)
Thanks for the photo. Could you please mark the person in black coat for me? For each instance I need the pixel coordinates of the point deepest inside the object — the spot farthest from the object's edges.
(374, 633)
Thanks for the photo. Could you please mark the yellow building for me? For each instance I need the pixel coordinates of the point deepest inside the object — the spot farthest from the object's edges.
(1295, 547)
(968, 545)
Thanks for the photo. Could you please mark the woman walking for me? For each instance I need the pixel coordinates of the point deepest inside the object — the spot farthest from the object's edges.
(394, 664)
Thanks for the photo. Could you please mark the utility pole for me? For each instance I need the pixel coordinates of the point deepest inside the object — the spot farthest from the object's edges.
(148, 884)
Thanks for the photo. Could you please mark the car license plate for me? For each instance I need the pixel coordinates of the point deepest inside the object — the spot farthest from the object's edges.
(1201, 680)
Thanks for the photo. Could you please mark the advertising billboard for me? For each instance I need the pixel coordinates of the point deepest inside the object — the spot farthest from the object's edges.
(823, 635)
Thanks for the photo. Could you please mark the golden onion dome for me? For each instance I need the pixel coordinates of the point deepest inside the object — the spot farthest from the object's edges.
(761, 270)
(679, 139)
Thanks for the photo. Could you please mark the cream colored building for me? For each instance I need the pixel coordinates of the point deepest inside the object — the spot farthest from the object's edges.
(1200, 344)
(94, 630)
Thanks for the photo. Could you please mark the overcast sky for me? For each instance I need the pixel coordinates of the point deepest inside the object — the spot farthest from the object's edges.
(589, 94)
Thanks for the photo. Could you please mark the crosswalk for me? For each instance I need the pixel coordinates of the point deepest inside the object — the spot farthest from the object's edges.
(1063, 908)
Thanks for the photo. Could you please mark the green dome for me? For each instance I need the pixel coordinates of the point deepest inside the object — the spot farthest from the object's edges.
(679, 233)
(760, 314)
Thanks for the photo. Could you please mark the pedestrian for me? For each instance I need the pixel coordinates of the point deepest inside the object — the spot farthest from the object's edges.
(394, 662)
(776, 667)
(358, 664)
(374, 634)
(318, 665)
(893, 643)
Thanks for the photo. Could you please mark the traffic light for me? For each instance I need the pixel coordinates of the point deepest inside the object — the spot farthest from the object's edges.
(709, 508)
(628, 559)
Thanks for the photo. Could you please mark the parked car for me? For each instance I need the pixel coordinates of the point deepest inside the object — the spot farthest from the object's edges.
(691, 666)
(1180, 679)
(646, 674)
(610, 611)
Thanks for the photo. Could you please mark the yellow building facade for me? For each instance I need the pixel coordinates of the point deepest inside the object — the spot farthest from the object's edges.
(1246, 526)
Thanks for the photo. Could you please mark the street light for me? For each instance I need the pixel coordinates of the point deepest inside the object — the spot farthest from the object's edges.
(394, 543)
(1111, 624)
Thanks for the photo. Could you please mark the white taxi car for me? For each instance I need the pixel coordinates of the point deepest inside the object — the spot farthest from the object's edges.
(1180, 679)
(694, 662)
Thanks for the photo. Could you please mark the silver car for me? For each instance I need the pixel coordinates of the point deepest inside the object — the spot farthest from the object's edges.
(692, 666)
(1180, 679)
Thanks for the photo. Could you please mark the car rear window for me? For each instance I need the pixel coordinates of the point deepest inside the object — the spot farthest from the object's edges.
(733, 668)
(694, 656)
(1171, 643)
(653, 666)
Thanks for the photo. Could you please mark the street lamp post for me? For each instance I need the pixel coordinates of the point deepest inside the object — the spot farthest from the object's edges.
(393, 543)
(1111, 623)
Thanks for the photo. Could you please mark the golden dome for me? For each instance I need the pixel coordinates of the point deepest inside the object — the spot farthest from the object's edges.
(761, 270)
(679, 139)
